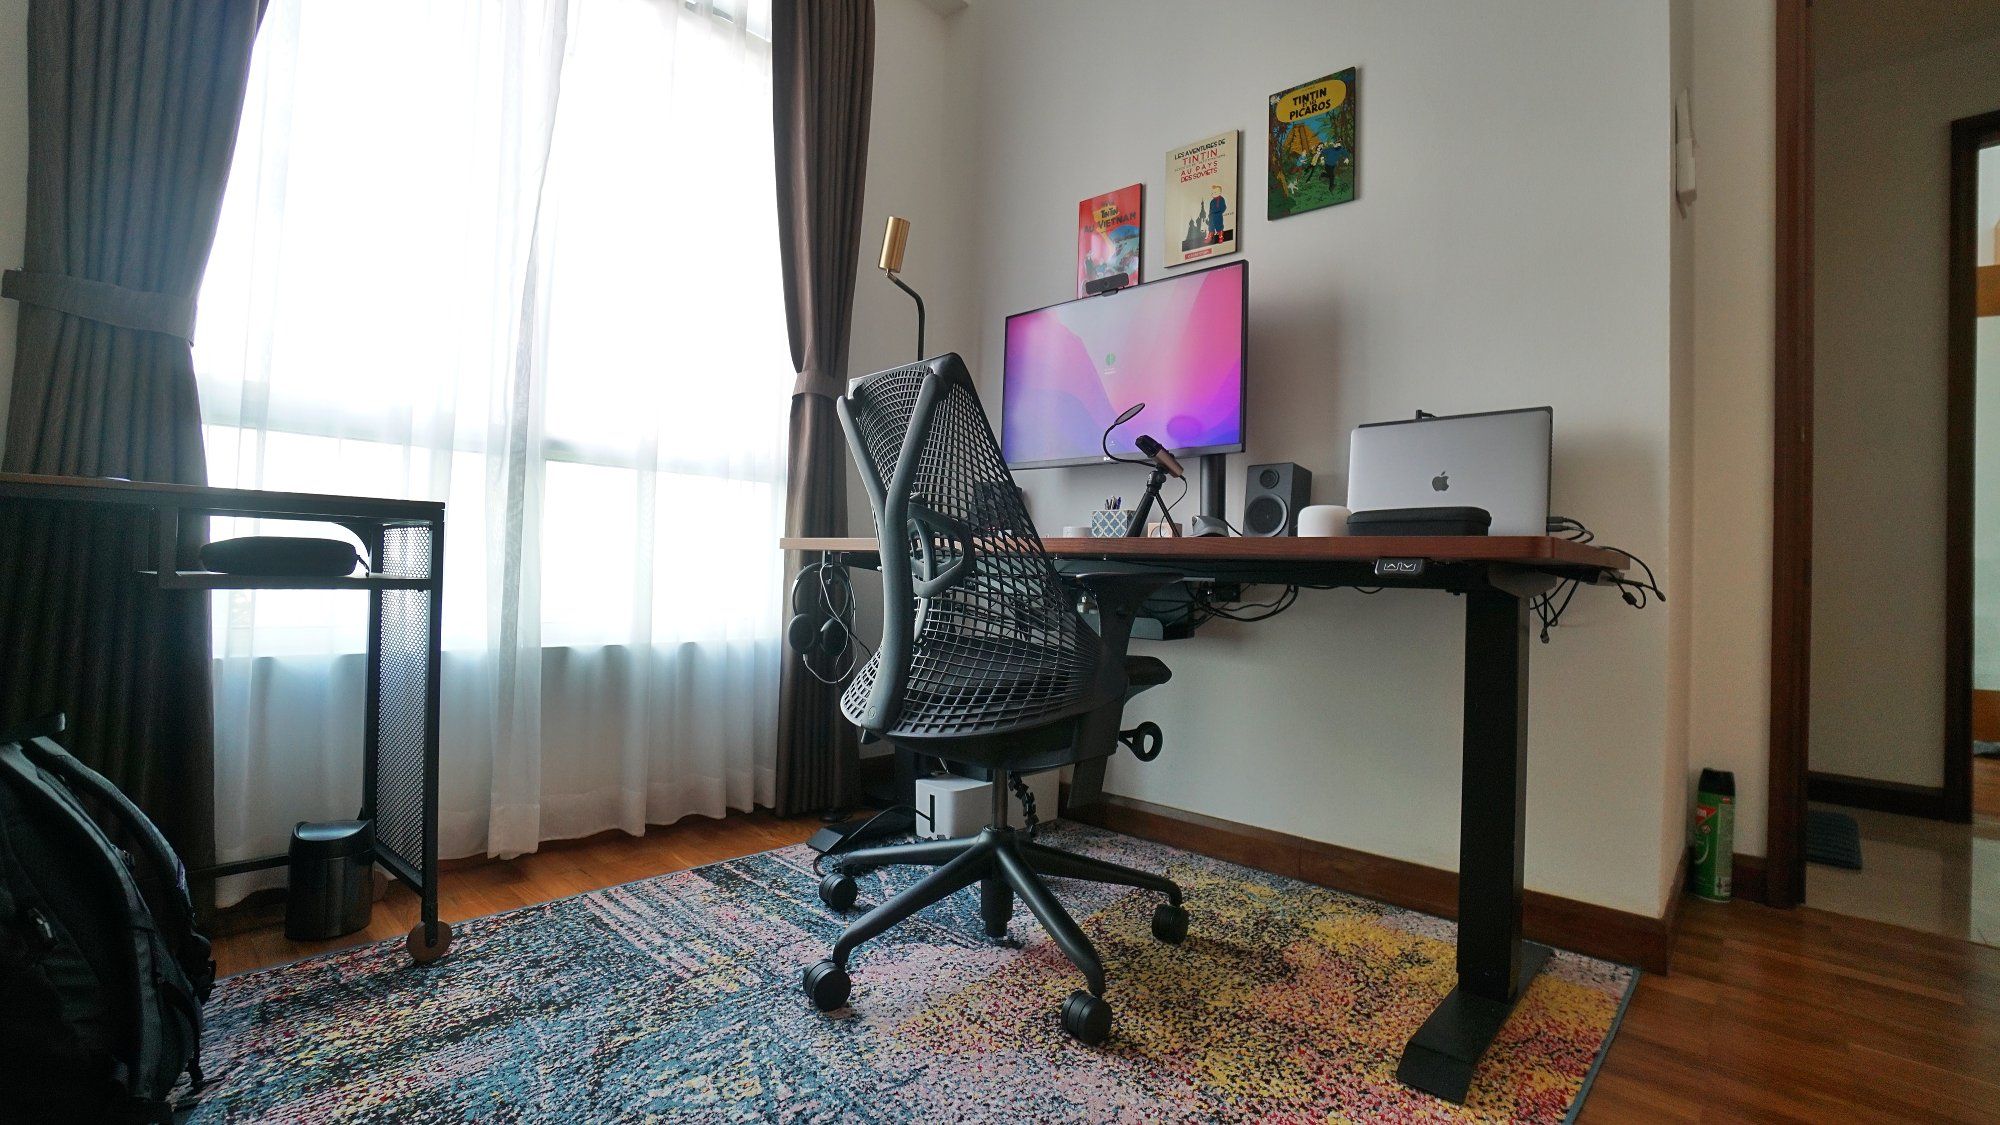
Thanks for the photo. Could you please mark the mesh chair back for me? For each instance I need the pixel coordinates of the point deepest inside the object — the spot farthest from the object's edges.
(979, 635)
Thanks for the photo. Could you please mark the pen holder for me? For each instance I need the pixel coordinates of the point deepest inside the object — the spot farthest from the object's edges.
(1110, 523)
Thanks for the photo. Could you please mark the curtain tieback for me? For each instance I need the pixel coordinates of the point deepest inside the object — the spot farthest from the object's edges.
(812, 381)
(102, 301)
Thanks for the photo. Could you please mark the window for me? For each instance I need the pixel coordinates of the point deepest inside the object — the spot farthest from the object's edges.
(521, 257)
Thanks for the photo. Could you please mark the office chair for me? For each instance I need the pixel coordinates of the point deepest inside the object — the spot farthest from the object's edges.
(985, 663)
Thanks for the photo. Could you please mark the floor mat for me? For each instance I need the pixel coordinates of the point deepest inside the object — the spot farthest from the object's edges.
(677, 999)
(1833, 838)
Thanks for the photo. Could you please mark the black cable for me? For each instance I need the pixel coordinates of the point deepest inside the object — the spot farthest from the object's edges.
(1201, 607)
(1241, 604)
(1029, 821)
(1548, 607)
(1286, 598)
(1548, 610)
(1167, 506)
(852, 839)
(1569, 528)
(1650, 583)
(839, 617)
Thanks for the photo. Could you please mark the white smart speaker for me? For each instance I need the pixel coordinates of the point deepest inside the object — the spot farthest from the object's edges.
(1323, 520)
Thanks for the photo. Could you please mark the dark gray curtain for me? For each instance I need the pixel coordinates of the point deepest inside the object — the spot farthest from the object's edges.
(822, 79)
(132, 112)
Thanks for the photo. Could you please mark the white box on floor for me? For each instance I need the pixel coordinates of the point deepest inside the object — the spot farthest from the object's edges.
(949, 806)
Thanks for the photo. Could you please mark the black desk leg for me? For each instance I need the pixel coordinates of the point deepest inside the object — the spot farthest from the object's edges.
(1494, 965)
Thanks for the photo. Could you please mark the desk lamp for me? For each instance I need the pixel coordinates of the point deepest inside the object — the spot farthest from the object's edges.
(895, 238)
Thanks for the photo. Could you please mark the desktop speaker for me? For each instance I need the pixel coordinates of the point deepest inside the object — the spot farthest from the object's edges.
(1273, 496)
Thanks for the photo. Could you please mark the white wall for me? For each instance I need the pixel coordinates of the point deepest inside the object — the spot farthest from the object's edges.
(1879, 408)
(1728, 588)
(916, 169)
(1734, 107)
(13, 175)
(1512, 245)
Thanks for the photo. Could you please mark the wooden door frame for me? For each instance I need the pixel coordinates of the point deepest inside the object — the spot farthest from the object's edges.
(1951, 800)
(1968, 136)
(1792, 478)
(1792, 467)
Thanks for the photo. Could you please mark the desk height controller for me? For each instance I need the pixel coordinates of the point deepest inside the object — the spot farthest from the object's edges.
(1398, 568)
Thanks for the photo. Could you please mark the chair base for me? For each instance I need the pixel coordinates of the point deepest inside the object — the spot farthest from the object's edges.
(1004, 863)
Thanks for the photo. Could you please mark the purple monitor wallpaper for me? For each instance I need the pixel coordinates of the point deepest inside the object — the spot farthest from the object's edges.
(1176, 345)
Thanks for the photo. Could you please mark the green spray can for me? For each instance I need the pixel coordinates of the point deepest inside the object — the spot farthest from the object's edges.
(1714, 834)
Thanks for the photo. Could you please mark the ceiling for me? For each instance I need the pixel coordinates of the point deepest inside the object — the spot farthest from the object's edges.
(1850, 36)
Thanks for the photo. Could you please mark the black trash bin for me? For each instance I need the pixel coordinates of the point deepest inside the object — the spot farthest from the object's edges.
(333, 879)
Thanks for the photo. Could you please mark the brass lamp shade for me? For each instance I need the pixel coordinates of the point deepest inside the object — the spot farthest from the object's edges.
(894, 239)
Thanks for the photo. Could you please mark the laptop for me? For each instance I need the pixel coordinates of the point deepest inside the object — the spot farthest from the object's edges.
(1498, 461)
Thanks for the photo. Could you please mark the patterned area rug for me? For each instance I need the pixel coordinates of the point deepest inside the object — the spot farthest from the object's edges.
(677, 999)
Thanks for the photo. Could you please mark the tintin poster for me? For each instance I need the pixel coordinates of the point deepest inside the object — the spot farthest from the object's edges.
(1313, 153)
(1201, 199)
(1109, 232)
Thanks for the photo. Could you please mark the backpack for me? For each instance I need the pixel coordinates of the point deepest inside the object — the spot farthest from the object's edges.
(102, 974)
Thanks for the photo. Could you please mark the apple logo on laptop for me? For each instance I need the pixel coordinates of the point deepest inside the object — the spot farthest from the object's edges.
(1440, 482)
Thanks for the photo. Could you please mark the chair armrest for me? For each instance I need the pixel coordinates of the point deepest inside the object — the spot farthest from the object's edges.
(1119, 594)
(1123, 587)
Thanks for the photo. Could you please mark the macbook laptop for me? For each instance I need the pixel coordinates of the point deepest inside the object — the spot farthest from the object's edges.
(1498, 461)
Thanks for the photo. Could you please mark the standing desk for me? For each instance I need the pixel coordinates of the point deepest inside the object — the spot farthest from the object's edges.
(1497, 576)
(403, 541)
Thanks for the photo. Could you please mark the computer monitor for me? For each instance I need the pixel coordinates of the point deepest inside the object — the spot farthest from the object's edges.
(1178, 345)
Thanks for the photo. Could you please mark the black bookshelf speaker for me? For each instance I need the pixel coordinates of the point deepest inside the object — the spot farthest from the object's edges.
(1272, 497)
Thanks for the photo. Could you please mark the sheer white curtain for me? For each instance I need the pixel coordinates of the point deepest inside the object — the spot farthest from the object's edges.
(520, 256)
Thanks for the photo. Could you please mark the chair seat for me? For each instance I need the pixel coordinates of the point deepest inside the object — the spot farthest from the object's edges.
(1141, 673)
(1053, 744)
(1146, 672)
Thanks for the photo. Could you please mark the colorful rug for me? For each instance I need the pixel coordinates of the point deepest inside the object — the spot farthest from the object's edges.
(677, 999)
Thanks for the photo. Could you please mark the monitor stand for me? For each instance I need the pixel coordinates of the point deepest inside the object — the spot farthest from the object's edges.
(1213, 476)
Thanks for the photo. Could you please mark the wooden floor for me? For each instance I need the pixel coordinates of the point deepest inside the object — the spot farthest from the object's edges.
(1767, 1015)
(1803, 1015)
(559, 870)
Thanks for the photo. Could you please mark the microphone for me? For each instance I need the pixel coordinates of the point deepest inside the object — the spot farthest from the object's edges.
(1159, 455)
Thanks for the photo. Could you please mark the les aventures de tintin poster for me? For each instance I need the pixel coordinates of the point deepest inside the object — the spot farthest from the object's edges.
(1109, 231)
(1201, 199)
(1312, 145)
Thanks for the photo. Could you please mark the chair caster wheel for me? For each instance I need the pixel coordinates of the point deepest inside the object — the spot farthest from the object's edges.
(1170, 923)
(827, 985)
(1087, 1018)
(837, 891)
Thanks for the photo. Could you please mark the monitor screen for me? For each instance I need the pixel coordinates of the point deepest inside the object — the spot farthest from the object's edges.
(1177, 345)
